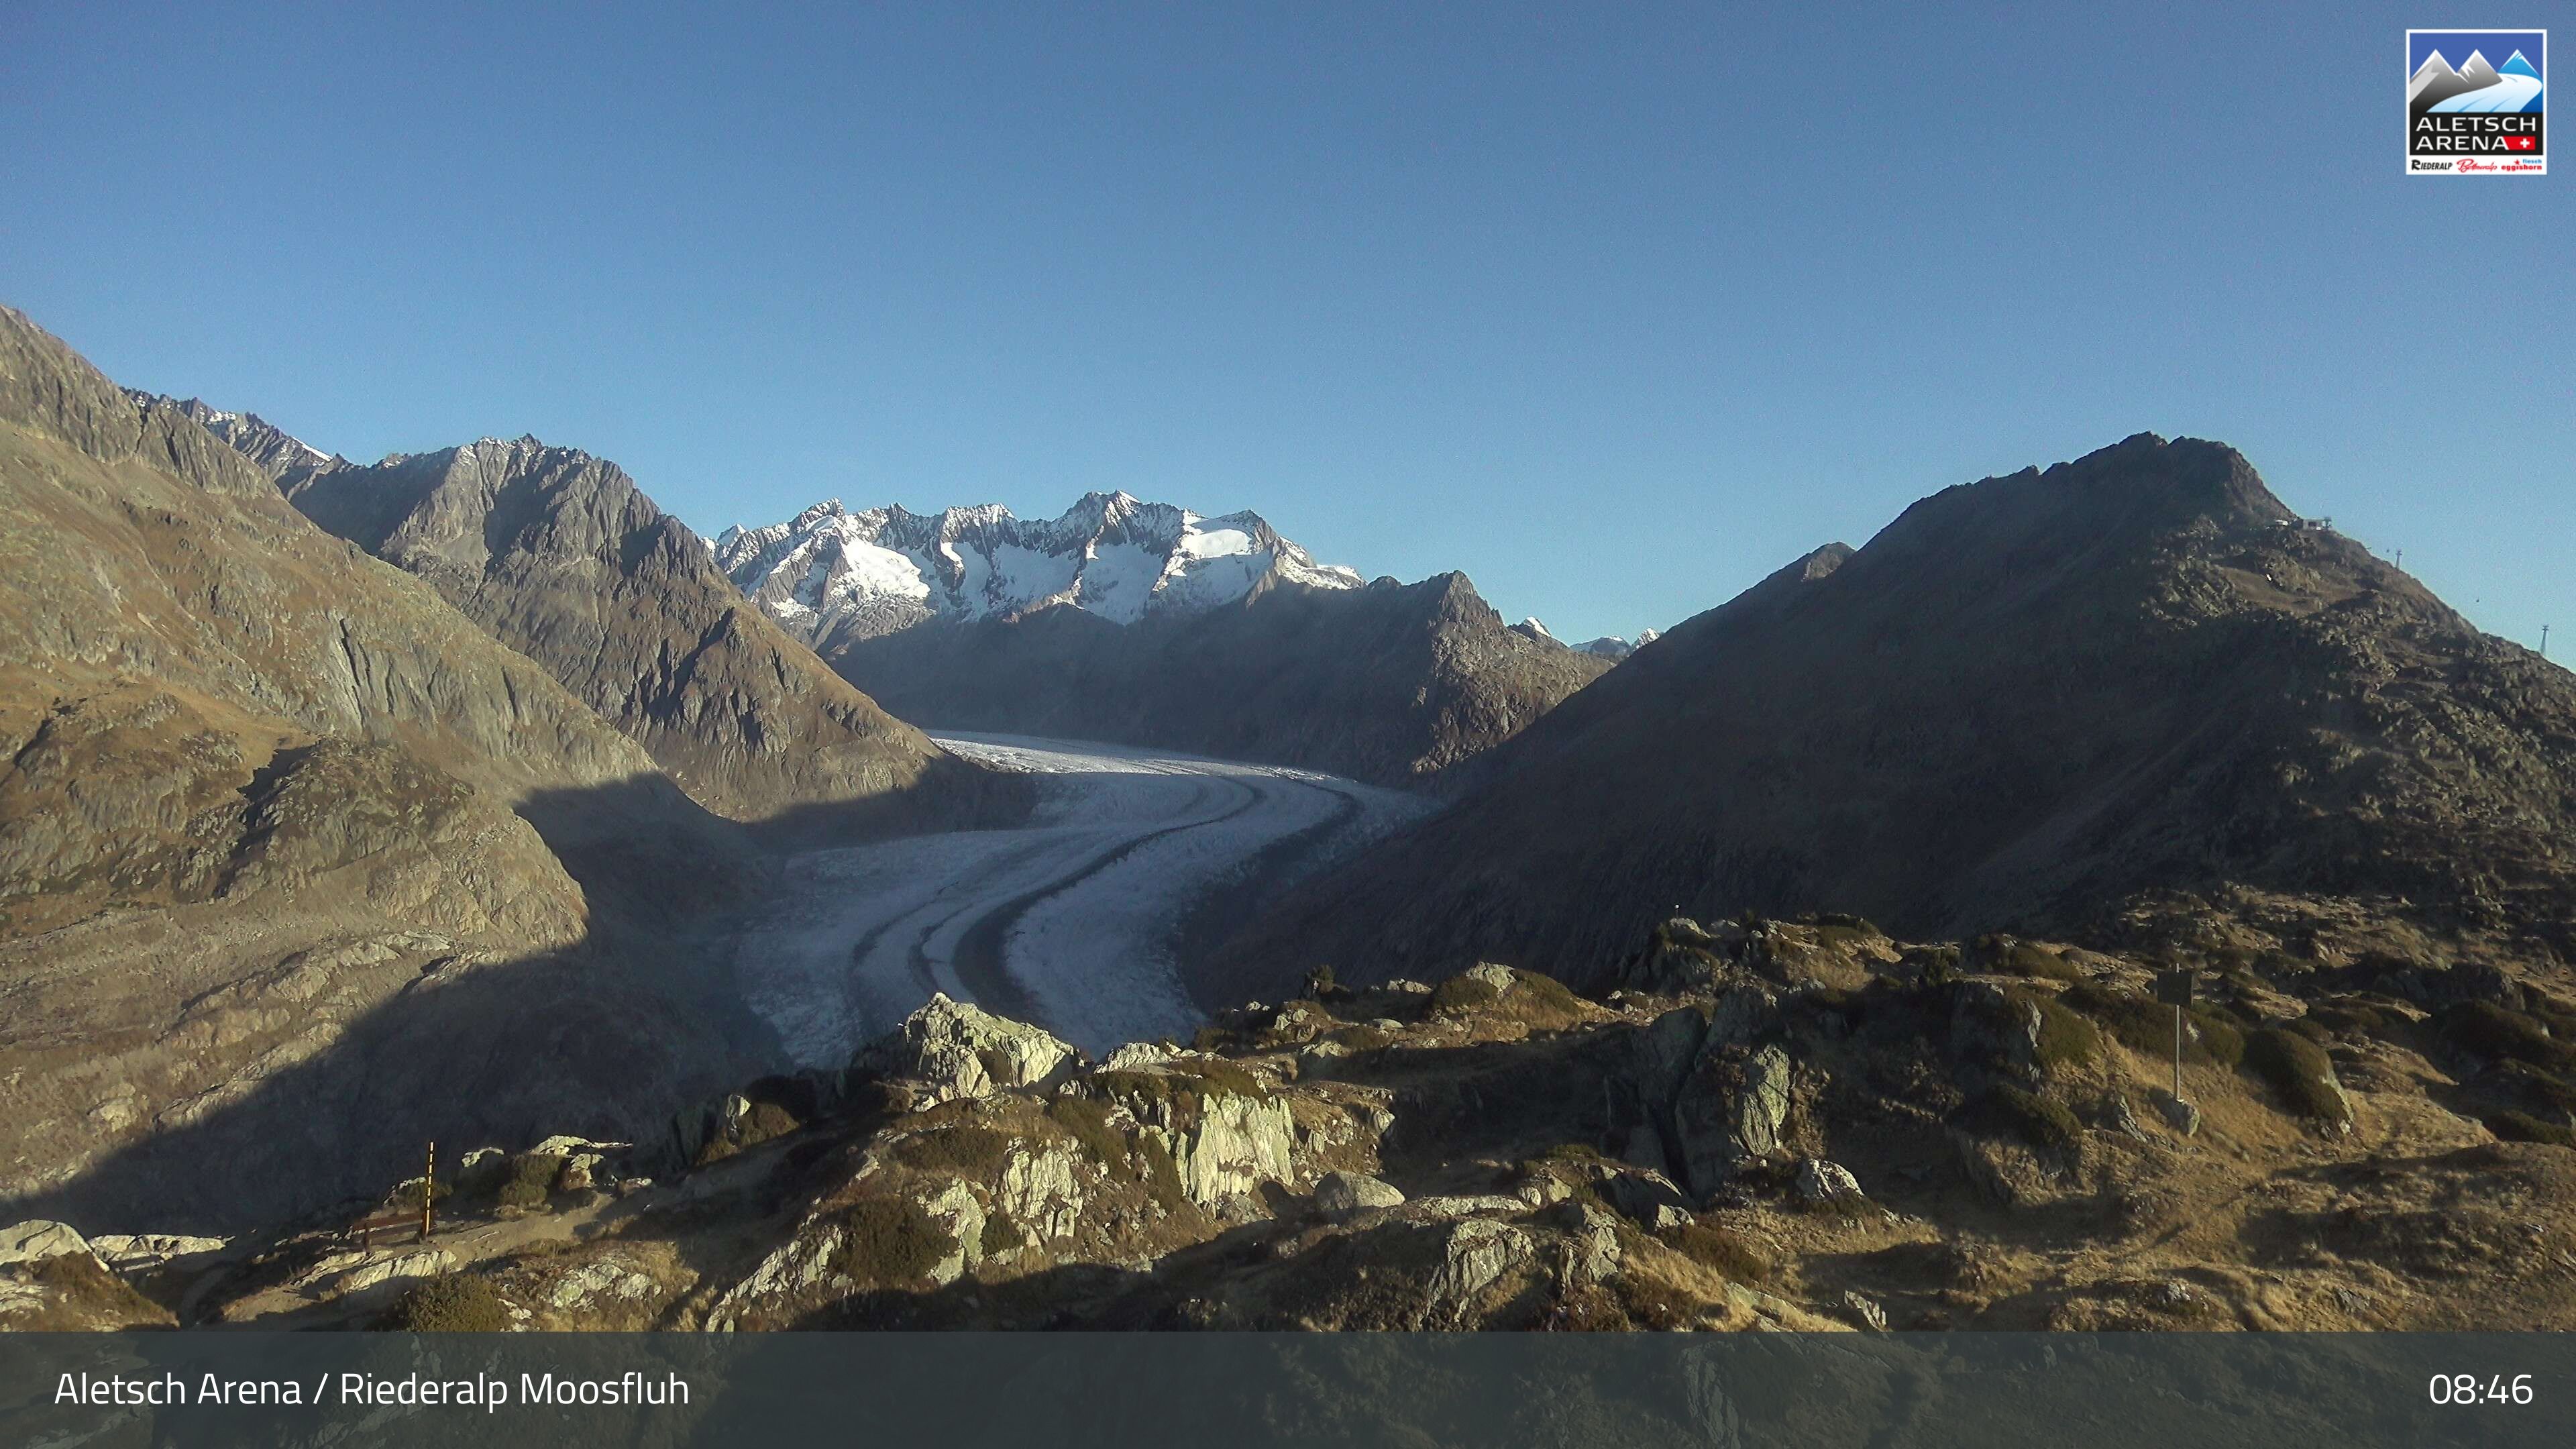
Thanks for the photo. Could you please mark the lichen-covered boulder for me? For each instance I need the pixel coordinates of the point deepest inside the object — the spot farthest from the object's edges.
(1041, 1190)
(1993, 1034)
(1338, 1193)
(1733, 1110)
(36, 1240)
(960, 1050)
(1476, 1255)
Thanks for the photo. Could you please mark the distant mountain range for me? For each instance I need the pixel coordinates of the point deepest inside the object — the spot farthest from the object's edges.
(833, 577)
(1148, 624)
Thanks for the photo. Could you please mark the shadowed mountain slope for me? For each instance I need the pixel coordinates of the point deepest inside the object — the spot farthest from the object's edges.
(2027, 702)
(564, 559)
(261, 787)
(1391, 683)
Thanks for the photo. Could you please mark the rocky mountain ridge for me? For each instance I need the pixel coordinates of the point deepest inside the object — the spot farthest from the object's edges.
(561, 556)
(2046, 702)
(297, 864)
(1144, 624)
(1395, 684)
(836, 577)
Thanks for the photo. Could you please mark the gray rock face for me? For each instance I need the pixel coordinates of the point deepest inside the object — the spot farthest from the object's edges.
(1041, 1191)
(1734, 1109)
(1592, 1255)
(135, 1252)
(1683, 956)
(2123, 1118)
(1741, 1014)
(1477, 1254)
(1643, 1197)
(962, 1050)
(1337, 1193)
(2180, 1115)
(563, 558)
(1238, 1144)
(33, 1242)
(1990, 1031)
(1820, 1181)
(268, 447)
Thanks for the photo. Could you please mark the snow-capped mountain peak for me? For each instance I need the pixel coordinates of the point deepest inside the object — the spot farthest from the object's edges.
(254, 437)
(1614, 648)
(832, 574)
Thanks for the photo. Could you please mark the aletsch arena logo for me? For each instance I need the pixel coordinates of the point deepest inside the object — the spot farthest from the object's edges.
(2473, 102)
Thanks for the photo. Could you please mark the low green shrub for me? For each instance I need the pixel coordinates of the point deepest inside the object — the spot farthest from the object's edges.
(408, 1195)
(1727, 1252)
(2546, 1090)
(1162, 1177)
(2523, 1127)
(531, 1180)
(1462, 995)
(1089, 1122)
(1936, 968)
(1000, 1234)
(1545, 1002)
(890, 1240)
(1220, 1075)
(2297, 1069)
(2358, 1016)
(2222, 1034)
(767, 1120)
(969, 1149)
(2007, 1111)
(449, 1303)
(1841, 932)
(2498, 1033)
(2034, 963)
(2146, 1026)
(2066, 1038)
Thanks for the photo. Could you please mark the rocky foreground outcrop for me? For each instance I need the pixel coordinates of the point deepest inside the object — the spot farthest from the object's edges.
(1763, 1124)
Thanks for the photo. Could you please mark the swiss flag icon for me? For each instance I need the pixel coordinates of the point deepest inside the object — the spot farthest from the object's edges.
(2522, 143)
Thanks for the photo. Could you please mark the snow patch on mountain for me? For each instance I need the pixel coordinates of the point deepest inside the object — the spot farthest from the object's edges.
(831, 574)
(1614, 648)
(249, 434)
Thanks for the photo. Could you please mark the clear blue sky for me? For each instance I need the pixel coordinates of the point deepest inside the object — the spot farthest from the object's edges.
(1614, 307)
